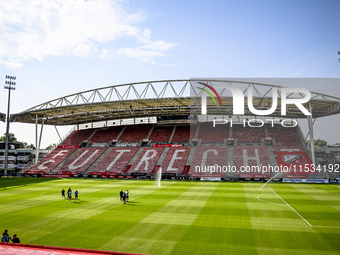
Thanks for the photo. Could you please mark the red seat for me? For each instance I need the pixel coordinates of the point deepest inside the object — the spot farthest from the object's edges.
(161, 134)
(175, 160)
(135, 133)
(147, 160)
(77, 136)
(183, 134)
(208, 133)
(116, 159)
(106, 135)
(248, 134)
(285, 136)
(82, 160)
(251, 156)
(53, 159)
(208, 157)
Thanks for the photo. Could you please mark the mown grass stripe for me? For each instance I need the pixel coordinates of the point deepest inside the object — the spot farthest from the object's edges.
(220, 228)
(166, 224)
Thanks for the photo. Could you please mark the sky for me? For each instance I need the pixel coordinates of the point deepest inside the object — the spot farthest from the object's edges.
(56, 48)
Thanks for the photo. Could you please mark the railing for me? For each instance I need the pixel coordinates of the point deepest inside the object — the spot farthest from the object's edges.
(27, 166)
(67, 134)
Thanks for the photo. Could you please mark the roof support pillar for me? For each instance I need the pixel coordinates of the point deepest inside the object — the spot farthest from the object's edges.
(57, 133)
(38, 148)
(311, 133)
(36, 136)
(308, 131)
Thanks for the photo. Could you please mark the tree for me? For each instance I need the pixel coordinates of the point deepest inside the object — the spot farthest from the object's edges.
(318, 143)
(31, 146)
(24, 145)
(11, 138)
(51, 146)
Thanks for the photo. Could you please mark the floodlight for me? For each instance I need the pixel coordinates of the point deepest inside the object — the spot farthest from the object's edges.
(10, 86)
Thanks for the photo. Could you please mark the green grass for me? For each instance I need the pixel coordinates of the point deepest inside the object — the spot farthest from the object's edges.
(181, 217)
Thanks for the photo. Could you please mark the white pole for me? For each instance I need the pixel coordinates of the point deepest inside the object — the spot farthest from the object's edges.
(58, 133)
(38, 148)
(311, 133)
(36, 138)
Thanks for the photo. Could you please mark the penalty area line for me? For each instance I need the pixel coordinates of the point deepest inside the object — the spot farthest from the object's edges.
(325, 227)
(300, 214)
(291, 208)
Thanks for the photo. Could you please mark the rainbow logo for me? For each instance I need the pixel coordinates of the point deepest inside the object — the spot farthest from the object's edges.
(209, 93)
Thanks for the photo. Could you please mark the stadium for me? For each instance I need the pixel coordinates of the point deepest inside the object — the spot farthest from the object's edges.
(200, 181)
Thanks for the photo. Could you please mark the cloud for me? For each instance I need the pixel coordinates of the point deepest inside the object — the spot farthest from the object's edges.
(139, 53)
(35, 29)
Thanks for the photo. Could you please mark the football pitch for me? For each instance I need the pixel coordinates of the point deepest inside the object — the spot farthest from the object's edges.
(180, 217)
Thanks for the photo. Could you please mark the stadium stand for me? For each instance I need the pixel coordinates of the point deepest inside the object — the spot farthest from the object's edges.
(208, 156)
(128, 158)
(175, 160)
(78, 136)
(53, 159)
(216, 134)
(183, 134)
(285, 137)
(116, 160)
(251, 156)
(105, 135)
(146, 160)
(248, 134)
(135, 133)
(82, 159)
(161, 134)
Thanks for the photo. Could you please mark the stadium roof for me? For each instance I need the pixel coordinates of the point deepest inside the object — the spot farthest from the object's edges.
(163, 98)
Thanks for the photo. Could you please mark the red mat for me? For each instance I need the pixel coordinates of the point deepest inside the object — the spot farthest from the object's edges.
(26, 249)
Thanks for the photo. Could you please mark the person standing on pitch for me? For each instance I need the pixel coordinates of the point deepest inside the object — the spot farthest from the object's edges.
(124, 197)
(76, 195)
(121, 195)
(127, 195)
(63, 194)
(69, 195)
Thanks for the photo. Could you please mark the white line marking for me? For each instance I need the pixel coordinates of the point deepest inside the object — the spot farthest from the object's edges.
(292, 208)
(258, 197)
(42, 193)
(325, 227)
(337, 195)
(270, 180)
(300, 214)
